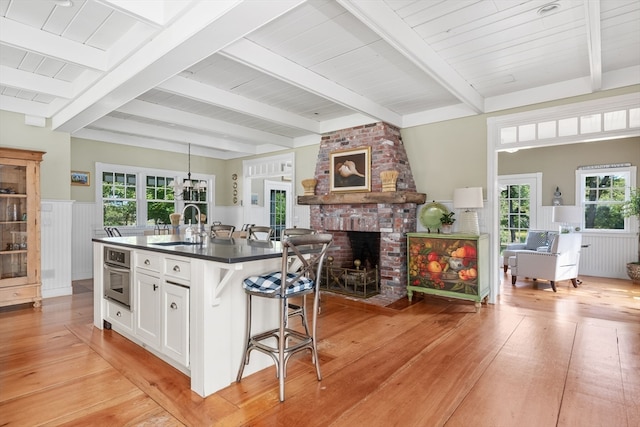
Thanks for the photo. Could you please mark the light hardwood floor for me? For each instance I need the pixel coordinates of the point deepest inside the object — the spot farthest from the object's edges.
(536, 358)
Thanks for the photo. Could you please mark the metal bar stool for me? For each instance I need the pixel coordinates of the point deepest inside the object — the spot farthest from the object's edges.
(259, 233)
(302, 282)
(295, 309)
(221, 231)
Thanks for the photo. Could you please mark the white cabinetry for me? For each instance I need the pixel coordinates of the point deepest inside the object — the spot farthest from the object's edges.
(162, 304)
(147, 311)
(175, 337)
(119, 316)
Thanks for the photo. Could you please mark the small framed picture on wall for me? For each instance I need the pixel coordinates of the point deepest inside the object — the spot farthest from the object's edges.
(80, 178)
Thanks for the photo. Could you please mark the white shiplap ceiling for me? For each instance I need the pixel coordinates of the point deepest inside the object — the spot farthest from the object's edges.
(237, 78)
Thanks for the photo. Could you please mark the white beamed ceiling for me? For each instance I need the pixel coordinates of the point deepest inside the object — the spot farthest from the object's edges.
(237, 78)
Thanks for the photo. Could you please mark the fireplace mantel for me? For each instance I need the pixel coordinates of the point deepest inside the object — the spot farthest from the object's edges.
(391, 197)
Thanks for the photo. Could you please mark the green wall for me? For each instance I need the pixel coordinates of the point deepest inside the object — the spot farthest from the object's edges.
(85, 153)
(452, 154)
(55, 166)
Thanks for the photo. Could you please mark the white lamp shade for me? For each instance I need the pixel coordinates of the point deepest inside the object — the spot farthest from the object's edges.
(467, 198)
(567, 214)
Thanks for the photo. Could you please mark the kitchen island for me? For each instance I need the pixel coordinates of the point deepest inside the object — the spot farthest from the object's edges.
(187, 305)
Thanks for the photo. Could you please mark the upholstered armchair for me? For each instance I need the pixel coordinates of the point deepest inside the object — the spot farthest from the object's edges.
(537, 240)
(560, 263)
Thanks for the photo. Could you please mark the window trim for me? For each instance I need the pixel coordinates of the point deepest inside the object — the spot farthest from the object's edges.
(629, 226)
(141, 200)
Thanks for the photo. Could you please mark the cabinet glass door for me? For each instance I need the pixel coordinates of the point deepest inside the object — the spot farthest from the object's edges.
(13, 222)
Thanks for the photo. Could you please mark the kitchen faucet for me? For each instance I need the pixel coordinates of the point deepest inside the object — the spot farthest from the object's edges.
(200, 225)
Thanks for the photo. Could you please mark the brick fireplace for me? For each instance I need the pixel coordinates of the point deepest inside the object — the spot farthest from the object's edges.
(392, 214)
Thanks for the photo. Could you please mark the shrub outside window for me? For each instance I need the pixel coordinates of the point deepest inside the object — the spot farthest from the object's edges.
(603, 194)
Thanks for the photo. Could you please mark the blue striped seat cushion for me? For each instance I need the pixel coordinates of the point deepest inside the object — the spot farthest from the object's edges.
(270, 283)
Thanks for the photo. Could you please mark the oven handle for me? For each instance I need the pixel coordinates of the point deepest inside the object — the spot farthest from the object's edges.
(119, 270)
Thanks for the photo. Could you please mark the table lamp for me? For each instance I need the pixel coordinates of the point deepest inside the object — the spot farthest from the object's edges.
(468, 198)
(566, 215)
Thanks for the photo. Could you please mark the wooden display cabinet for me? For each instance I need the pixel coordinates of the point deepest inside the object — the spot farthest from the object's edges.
(449, 265)
(20, 227)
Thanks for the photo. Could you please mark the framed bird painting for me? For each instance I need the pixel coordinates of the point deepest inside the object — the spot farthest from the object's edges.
(350, 170)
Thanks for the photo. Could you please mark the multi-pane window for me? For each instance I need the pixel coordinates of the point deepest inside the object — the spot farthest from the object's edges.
(603, 194)
(515, 210)
(160, 199)
(119, 199)
(145, 197)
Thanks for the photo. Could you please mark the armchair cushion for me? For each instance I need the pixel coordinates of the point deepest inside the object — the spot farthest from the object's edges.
(535, 239)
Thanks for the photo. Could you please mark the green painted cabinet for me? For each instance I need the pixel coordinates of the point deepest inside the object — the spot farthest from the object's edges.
(449, 265)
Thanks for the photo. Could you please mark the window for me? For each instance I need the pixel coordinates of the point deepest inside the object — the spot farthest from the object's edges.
(119, 201)
(145, 197)
(602, 194)
(160, 199)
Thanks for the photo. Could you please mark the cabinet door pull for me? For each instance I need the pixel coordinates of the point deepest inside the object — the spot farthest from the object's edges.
(155, 287)
(176, 268)
(147, 262)
(174, 306)
(119, 314)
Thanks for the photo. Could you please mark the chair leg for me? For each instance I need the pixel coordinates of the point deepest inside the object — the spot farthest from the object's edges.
(282, 343)
(316, 309)
(247, 339)
(553, 286)
(304, 314)
(575, 282)
(513, 280)
(505, 267)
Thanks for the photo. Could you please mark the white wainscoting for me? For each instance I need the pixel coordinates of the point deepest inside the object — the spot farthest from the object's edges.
(84, 226)
(55, 264)
(608, 255)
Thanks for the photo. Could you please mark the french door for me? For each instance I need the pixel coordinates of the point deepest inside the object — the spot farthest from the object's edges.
(518, 207)
(278, 200)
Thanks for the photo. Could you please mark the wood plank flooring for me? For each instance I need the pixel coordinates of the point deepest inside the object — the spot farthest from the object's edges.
(537, 358)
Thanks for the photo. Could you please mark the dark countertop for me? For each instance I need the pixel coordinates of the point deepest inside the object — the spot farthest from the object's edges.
(219, 250)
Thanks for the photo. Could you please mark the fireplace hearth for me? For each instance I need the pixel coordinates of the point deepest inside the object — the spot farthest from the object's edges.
(390, 215)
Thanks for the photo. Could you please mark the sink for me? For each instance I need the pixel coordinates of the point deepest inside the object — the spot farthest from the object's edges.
(174, 243)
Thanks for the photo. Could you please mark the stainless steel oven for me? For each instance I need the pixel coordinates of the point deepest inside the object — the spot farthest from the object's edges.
(117, 275)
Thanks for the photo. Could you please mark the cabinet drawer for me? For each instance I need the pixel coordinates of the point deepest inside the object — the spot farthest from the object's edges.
(177, 268)
(120, 315)
(148, 261)
(18, 293)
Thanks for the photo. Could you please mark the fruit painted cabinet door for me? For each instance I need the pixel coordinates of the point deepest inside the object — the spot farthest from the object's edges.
(448, 265)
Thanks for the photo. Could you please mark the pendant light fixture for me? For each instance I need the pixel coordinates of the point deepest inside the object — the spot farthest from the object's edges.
(188, 189)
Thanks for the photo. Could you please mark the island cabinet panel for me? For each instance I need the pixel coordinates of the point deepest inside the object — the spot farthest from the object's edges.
(448, 265)
(175, 315)
(147, 309)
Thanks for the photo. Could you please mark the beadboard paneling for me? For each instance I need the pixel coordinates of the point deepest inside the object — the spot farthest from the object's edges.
(55, 247)
(84, 215)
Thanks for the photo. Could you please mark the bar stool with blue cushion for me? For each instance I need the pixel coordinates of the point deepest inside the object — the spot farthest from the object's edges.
(282, 342)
